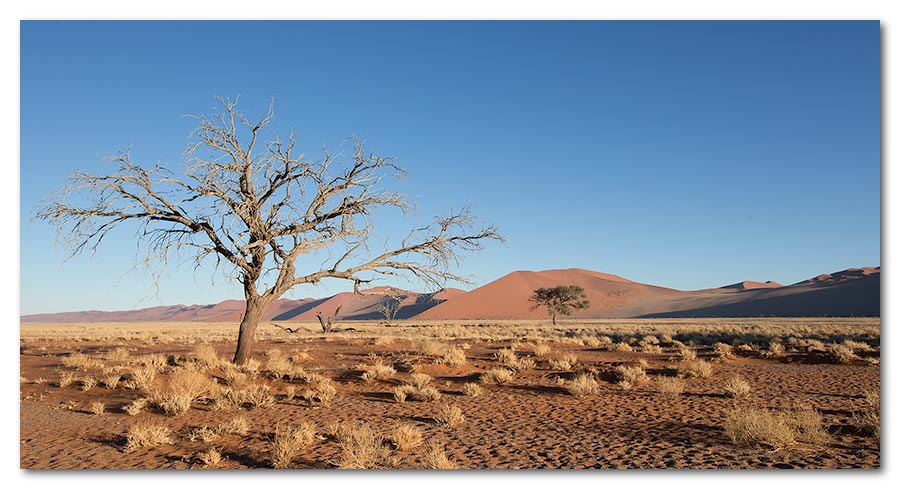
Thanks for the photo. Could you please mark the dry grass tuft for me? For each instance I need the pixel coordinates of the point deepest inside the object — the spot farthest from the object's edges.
(204, 434)
(450, 416)
(378, 371)
(752, 426)
(98, 408)
(146, 435)
(211, 458)
(472, 389)
(420, 381)
(289, 440)
(406, 437)
(564, 362)
(808, 424)
(737, 387)
(669, 386)
(868, 420)
(136, 407)
(79, 361)
(582, 386)
(630, 376)
(206, 355)
(686, 354)
(111, 381)
(496, 375)
(541, 350)
(455, 357)
(840, 353)
(186, 386)
(363, 448)
(722, 350)
(66, 378)
(436, 458)
(622, 346)
(87, 383)
(237, 426)
(695, 368)
(143, 377)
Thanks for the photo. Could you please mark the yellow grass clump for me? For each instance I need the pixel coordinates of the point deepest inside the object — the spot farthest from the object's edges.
(147, 435)
(289, 440)
(406, 437)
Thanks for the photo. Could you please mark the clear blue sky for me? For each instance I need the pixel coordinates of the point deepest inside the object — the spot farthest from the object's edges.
(682, 154)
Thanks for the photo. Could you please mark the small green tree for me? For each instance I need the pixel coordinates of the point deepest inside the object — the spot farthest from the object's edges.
(562, 299)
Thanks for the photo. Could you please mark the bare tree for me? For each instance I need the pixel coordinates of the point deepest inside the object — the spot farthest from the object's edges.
(255, 207)
(389, 307)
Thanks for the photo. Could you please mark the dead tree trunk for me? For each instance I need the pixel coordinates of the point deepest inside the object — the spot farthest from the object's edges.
(327, 320)
(247, 332)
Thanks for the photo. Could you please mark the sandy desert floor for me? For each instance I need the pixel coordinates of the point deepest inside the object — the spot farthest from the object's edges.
(531, 420)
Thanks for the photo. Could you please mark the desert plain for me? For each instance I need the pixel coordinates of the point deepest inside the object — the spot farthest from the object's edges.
(711, 393)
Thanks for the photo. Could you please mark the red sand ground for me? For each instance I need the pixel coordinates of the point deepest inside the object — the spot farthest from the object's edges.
(528, 423)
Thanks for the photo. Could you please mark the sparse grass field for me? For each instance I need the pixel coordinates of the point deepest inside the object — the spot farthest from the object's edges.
(704, 393)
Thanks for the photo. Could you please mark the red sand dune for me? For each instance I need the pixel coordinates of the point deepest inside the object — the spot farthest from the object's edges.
(853, 292)
(750, 285)
(507, 297)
